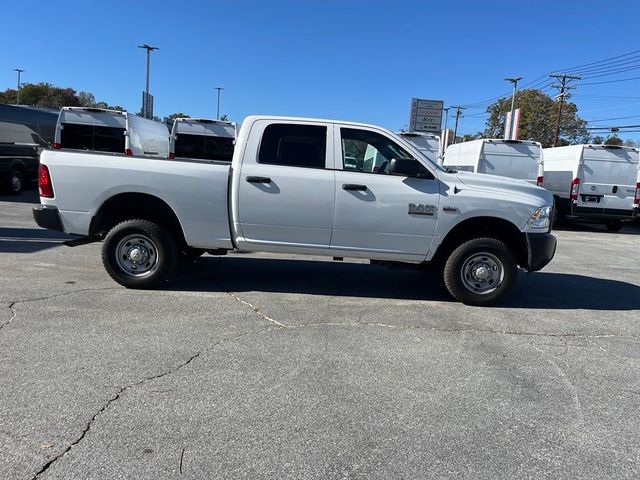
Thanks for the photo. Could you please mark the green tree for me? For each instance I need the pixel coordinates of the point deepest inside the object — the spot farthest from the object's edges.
(613, 140)
(597, 140)
(630, 143)
(224, 118)
(42, 95)
(538, 119)
(173, 116)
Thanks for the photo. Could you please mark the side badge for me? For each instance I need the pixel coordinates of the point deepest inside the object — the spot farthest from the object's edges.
(420, 209)
(450, 210)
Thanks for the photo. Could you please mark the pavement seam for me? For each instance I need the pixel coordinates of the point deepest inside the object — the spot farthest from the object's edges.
(124, 389)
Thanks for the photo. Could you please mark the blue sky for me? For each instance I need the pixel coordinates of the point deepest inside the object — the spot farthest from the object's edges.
(351, 60)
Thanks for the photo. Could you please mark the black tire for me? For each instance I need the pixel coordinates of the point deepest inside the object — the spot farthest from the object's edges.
(613, 226)
(139, 254)
(15, 182)
(482, 257)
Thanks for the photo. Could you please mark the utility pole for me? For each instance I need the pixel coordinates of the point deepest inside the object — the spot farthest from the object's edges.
(513, 80)
(563, 79)
(18, 91)
(146, 108)
(218, 109)
(458, 115)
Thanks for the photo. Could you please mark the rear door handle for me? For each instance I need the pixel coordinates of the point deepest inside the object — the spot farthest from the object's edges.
(353, 186)
(258, 180)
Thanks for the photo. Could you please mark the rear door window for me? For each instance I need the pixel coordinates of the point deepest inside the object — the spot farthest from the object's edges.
(294, 145)
(204, 147)
(96, 138)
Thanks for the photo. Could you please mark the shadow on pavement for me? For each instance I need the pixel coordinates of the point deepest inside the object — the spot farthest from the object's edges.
(29, 240)
(28, 196)
(541, 290)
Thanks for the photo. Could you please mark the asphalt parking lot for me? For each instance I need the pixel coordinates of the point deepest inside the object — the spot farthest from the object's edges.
(263, 366)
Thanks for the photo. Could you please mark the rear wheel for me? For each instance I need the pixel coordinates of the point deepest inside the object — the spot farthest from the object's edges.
(613, 226)
(138, 254)
(480, 271)
(16, 182)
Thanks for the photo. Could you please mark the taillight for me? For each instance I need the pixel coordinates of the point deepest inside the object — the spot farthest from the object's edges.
(128, 152)
(636, 197)
(575, 186)
(57, 146)
(540, 181)
(44, 182)
(172, 155)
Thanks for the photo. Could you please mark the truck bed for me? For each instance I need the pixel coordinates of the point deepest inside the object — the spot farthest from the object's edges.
(197, 192)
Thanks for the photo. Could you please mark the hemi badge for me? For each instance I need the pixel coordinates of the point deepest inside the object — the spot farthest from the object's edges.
(450, 210)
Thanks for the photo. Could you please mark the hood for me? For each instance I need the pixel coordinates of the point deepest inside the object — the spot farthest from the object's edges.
(504, 185)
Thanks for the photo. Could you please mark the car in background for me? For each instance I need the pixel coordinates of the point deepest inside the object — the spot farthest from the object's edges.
(519, 159)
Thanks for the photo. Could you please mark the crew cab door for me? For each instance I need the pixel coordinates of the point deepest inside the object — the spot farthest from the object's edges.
(378, 214)
(286, 189)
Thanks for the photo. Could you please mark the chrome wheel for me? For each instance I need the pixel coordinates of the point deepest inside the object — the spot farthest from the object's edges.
(137, 255)
(482, 273)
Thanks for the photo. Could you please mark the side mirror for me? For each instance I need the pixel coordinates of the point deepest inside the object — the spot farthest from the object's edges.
(408, 168)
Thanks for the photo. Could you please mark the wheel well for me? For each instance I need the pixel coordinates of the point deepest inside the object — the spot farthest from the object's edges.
(492, 227)
(18, 165)
(128, 206)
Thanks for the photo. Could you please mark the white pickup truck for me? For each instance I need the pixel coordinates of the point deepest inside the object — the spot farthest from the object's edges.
(289, 189)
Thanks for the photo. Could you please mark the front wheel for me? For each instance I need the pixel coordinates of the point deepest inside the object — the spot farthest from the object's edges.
(480, 271)
(138, 254)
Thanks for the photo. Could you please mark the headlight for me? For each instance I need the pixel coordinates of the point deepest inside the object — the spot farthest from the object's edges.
(541, 218)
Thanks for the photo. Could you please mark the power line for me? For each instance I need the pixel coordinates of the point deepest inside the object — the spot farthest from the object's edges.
(600, 61)
(613, 118)
(458, 115)
(610, 81)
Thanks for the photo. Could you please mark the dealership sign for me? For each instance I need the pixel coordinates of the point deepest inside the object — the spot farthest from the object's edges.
(426, 115)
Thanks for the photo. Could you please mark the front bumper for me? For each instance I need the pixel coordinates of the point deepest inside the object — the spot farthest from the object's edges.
(47, 217)
(541, 247)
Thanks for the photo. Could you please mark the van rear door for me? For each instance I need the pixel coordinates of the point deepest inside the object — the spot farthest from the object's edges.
(608, 183)
(92, 129)
(512, 159)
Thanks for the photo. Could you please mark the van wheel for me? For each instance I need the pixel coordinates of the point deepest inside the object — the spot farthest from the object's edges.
(480, 271)
(613, 226)
(16, 182)
(138, 254)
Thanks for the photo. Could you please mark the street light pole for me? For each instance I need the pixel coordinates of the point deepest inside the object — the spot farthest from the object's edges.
(18, 91)
(513, 80)
(218, 109)
(146, 109)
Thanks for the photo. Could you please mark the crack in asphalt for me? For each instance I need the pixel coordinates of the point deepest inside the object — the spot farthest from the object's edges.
(14, 313)
(124, 389)
(277, 325)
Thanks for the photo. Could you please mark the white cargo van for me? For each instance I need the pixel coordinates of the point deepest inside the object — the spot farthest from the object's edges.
(521, 159)
(103, 130)
(427, 143)
(202, 138)
(594, 182)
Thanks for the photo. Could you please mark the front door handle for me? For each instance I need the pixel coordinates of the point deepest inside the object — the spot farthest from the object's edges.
(258, 180)
(354, 187)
